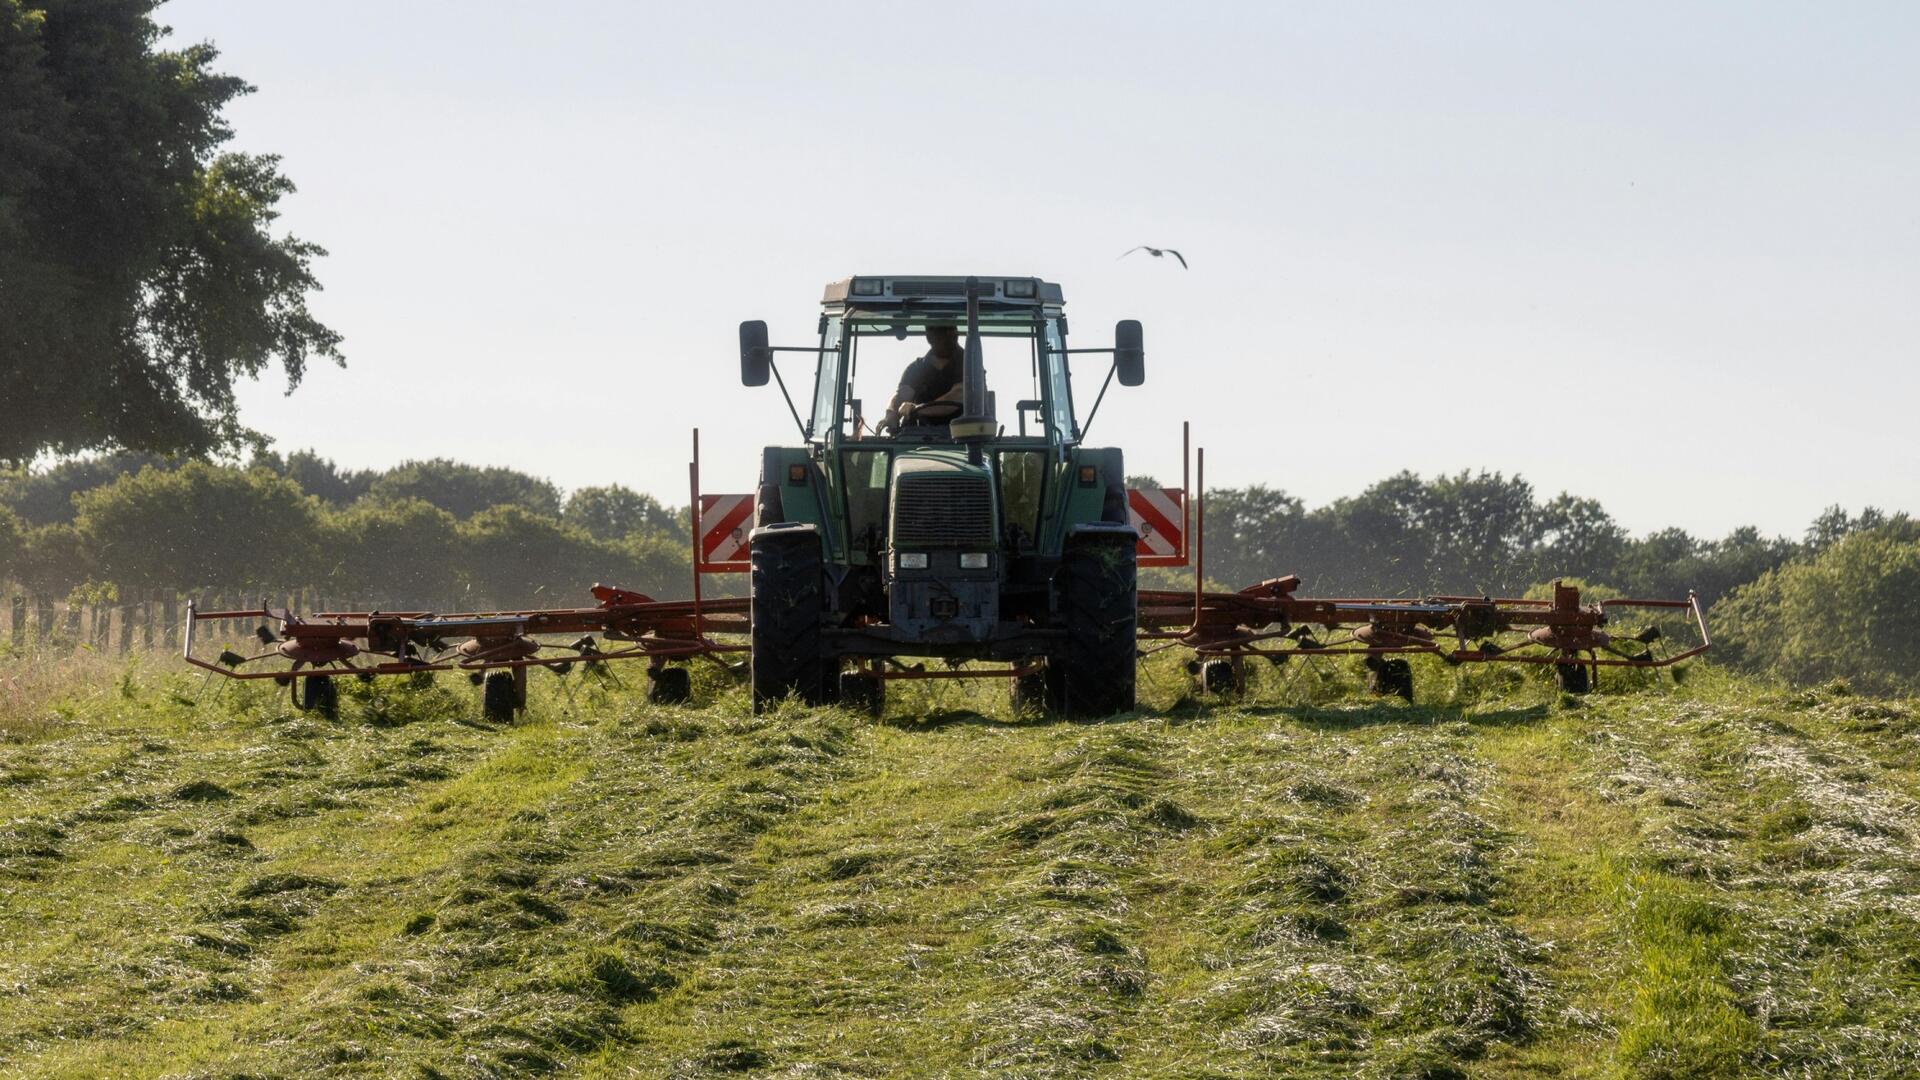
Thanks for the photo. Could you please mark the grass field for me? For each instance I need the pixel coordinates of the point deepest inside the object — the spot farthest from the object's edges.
(1718, 879)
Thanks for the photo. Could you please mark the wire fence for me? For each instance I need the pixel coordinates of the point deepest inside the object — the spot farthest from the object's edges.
(47, 624)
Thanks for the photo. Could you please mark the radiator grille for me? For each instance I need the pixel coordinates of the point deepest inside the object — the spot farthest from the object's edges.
(942, 511)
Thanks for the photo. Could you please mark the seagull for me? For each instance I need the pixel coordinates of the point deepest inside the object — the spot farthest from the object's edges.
(1156, 253)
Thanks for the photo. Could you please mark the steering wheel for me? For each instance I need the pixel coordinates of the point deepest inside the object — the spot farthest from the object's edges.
(935, 412)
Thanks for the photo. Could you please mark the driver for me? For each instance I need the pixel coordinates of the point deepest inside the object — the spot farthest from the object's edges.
(931, 377)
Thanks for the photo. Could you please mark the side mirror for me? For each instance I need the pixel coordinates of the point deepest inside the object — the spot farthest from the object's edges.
(756, 359)
(1129, 356)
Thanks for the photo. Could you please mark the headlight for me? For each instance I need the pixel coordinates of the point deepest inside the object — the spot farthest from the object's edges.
(973, 560)
(913, 560)
(1019, 288)
(866, 286)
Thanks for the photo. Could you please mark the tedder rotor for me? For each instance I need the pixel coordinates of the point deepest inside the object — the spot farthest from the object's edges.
(940, 535)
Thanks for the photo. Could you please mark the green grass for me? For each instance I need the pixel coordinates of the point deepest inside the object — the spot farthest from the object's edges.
(1719, 879)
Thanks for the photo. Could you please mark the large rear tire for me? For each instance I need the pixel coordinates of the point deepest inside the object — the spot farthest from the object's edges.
(1097, 588)
(788, 600)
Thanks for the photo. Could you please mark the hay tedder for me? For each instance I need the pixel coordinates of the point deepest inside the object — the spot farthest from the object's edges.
(940, 536)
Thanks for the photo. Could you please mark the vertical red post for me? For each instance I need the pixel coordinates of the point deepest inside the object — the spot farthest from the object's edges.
(1186, 487)
(1200, 534)
(693, 523)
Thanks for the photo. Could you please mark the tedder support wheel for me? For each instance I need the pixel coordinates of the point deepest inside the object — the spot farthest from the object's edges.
(669, 685)
(1219, 677)
(321, 696)
(1030, 692)
(862, 692)
(1572, 678)
(1390, 677)
(1097, 590)
(786, 605)
(498, 697)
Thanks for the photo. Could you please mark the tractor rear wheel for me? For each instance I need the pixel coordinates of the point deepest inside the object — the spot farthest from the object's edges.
(787, 602)
(1097, 587)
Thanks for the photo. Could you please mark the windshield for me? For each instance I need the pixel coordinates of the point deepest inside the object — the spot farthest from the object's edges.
(1017, 371)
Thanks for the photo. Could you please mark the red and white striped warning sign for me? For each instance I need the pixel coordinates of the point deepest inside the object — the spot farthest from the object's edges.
(1157, 516)
(725, 521)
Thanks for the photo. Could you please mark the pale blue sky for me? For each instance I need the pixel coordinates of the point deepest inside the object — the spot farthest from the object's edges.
(1662, 255)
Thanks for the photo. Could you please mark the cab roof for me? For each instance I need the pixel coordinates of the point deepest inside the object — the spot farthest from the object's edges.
(897, 293)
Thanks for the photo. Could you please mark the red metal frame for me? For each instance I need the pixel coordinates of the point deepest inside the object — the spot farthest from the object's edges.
(1265, 620)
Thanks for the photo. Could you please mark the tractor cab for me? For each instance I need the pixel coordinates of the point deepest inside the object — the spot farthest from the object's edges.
(942, 535)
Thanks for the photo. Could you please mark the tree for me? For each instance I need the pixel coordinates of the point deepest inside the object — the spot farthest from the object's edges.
(200, 526)
(1846, 613)
(465, 490)
(1578, 537)
(516, 558)
(1252, 533)
(45, 496)
(138, 276)
(395, 555)
(615, 512)
(12, 544)
(55, 561)
(317, 476)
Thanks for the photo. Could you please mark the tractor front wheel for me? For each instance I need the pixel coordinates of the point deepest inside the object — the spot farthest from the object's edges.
(1097, 587)
(787, 602)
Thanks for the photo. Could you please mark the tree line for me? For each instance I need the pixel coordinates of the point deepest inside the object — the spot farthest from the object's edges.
(431, 534)
(1839, 600)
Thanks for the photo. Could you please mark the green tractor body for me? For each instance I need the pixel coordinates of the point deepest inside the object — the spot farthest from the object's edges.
(950, 537)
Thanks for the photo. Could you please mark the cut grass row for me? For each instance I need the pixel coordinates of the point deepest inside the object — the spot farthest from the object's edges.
(1718, 880)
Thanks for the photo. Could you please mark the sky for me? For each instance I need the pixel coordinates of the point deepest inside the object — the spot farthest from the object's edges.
(1661, 255)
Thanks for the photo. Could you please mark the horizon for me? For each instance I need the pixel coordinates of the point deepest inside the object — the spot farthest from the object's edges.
(1702, 219)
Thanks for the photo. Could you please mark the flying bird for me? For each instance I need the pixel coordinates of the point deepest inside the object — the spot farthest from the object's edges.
(1156, 253)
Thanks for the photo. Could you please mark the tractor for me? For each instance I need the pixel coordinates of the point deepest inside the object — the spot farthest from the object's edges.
(876, 548)
(949, 538)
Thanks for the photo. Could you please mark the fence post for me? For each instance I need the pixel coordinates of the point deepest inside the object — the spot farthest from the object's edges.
(126, 629)
(170, 621)
(19, 621)
(146, 622)
(73, 623)
(43, 608)
(102, 626)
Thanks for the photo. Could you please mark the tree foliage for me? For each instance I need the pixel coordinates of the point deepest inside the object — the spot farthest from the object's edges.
(13, 543)
(1848, 612)
(615, 512)
(466, 490)
(139, 278)
(199, 526)
(406, 551)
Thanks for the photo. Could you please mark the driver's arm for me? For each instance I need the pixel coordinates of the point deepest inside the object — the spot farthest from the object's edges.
(898, 409)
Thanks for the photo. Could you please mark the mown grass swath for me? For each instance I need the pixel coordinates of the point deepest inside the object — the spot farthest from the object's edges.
(1712, 879)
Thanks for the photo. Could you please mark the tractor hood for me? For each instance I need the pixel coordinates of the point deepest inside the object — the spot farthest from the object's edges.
(932, 461)
(940, 499)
